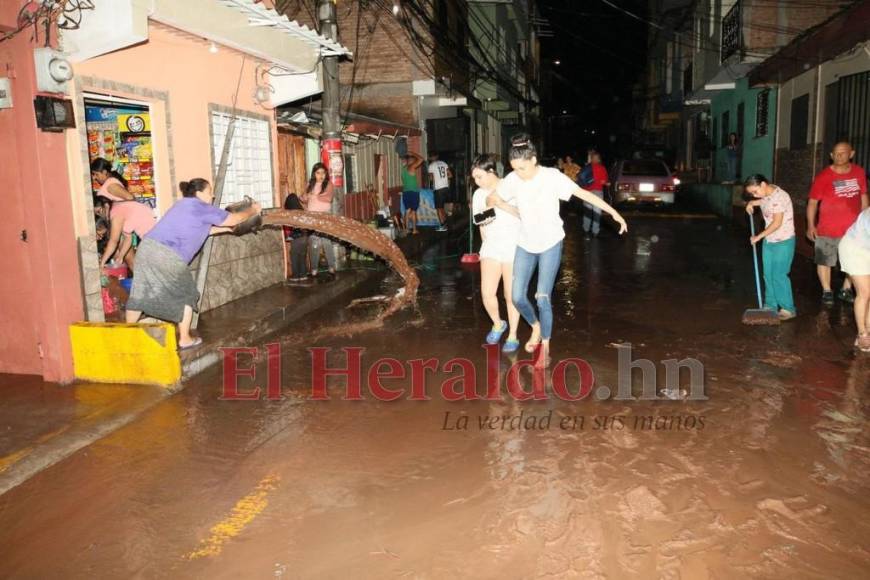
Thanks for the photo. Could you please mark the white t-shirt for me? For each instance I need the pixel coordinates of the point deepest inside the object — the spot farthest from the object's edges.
(860, 230)
(505, 227)
(438, 169)
(538, 202)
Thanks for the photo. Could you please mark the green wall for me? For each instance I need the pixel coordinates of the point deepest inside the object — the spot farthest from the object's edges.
(757, 152)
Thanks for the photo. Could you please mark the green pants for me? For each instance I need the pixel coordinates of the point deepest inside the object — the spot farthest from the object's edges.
(776, 258)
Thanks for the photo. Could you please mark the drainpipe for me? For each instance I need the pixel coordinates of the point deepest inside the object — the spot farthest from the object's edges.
(779, 92)
(818, 113)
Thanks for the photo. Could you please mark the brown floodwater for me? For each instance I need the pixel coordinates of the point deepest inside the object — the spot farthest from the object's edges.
(765, 477)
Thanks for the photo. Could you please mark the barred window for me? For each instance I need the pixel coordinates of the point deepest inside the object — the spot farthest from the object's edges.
(249, 168)
(761, 113)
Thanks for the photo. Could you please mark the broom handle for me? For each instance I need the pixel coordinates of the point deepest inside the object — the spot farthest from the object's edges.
(755, 262)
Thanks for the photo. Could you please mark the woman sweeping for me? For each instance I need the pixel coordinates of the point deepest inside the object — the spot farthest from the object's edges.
(777, 253)
(163, 286)
(537, 191)
(499, 235)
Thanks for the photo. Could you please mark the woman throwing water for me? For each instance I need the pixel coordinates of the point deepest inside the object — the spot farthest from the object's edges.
(537, 190)
(499, 235)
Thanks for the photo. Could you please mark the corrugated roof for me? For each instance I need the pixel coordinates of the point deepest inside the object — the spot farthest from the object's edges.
(260, 15)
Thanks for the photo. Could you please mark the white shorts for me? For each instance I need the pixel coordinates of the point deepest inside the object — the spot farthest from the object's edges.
(500, 252)
(854, 258)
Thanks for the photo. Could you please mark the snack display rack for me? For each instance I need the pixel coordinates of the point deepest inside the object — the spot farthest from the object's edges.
(124, 139)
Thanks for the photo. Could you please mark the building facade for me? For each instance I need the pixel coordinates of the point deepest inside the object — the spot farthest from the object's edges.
(154, 86)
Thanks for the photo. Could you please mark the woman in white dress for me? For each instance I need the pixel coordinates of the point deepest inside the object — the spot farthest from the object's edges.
(499, 233)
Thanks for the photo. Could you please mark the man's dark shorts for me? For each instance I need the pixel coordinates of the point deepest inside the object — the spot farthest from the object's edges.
(396, 203)
(441, 196)
(411, 199)
(826, 251)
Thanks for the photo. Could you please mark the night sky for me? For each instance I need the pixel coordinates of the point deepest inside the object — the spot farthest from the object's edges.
(601, 54)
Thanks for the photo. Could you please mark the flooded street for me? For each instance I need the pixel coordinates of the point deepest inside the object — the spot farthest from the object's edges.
(766, 475)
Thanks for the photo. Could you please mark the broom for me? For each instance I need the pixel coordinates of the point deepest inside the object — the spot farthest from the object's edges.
(471, 257)
(760, 315)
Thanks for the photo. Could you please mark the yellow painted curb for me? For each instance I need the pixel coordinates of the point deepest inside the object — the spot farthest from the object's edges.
(106, 352)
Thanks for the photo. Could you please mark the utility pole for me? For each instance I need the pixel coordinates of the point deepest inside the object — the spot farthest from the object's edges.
(331, 150)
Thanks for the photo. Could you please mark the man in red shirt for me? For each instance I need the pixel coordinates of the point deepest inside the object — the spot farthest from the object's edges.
(592, 216)
(842, 191)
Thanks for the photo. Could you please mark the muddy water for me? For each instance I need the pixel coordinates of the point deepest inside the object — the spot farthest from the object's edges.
(363, 237)
(772, 483)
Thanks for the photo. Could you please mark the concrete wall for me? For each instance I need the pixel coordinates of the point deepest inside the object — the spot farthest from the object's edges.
(40, 295)
(756, 152)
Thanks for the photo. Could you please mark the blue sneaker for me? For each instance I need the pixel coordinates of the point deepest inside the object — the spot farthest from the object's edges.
(510, 345)
(494, 335)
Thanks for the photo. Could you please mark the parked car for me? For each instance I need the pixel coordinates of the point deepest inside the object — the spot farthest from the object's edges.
(642, 181)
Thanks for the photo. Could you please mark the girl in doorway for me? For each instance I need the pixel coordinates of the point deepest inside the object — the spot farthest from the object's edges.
(497, 251)
(112, 185)
(318, 198)
(537, 190)
(127, 218)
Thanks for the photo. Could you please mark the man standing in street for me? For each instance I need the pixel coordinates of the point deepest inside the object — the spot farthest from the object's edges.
(440, 175)
(841, 189)
(598, 180)
(411, 190)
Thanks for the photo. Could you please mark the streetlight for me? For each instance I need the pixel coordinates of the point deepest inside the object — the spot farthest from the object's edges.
(557, 62)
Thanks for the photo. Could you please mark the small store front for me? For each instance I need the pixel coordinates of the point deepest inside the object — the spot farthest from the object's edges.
(119, 131)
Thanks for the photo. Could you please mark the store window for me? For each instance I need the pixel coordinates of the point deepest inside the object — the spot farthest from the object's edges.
(120, 132)
(249, 170)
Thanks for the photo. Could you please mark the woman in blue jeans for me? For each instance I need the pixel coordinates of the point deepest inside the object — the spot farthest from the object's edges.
(537, 192)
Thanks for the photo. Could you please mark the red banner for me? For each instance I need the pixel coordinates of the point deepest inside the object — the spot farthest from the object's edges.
(331, 156)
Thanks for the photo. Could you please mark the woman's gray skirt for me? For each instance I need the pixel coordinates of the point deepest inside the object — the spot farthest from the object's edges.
(162, 283)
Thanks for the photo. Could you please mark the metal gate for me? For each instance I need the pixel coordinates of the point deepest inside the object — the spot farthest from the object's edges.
(849, 119)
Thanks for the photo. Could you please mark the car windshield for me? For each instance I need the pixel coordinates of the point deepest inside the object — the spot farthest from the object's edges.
(644, 168)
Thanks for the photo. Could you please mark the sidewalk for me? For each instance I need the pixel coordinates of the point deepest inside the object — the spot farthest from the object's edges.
(42, 424)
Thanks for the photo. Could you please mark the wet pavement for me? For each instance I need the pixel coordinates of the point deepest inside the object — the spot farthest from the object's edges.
(766, 477)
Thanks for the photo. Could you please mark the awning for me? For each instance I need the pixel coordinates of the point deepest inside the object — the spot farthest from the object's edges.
(259, 15)
(724, 80)
(831, 38)
(240, 24)
(309, 122)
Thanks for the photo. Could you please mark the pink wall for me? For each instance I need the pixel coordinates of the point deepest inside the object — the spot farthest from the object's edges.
(40, 294)
(182, 66)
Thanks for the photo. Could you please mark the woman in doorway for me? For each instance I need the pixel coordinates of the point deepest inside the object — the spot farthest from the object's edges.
(163, 286)
(537, 190)
(732, 150)
(497, 250)
(112, 185)
(127, 218)
(411, 190)
(318, 198)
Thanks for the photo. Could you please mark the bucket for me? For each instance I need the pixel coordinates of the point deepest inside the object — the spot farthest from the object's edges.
(117, 270)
